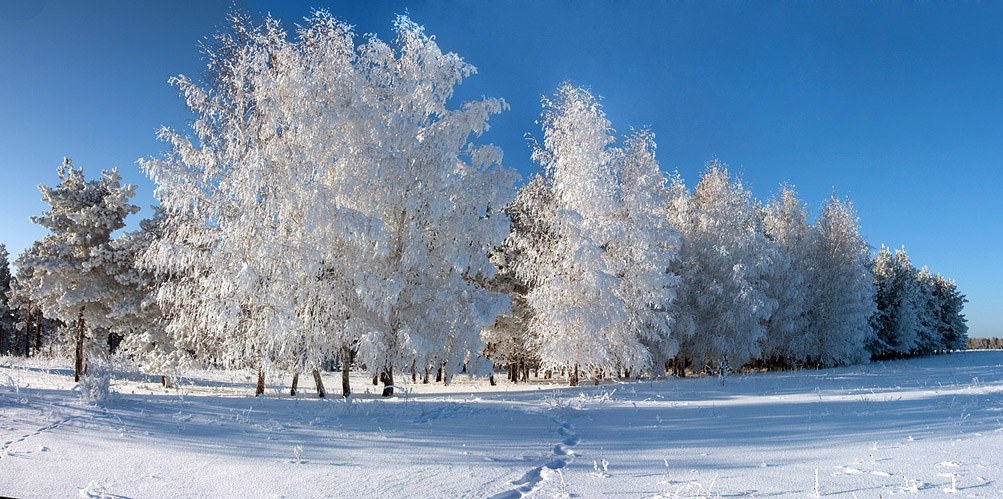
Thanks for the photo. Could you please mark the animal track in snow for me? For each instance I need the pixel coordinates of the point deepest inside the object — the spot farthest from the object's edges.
(5, 450)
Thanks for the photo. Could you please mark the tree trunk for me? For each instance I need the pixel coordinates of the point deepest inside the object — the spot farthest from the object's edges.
(38, 331)
(27, 339)
(260, 389)
(438, 374)
(679, 366)
(321, 393)
(425, 379)
(27, 330)
(388, 382)
(573, 376)
(346, 363)
(78, 364)
(414, 372)
(296, 382)
(376, 379)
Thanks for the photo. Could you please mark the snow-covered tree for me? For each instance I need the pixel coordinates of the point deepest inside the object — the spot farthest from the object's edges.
(248, 228)
(842, 292)
(929, 334)
(508, 340)
(579, 318)
(900, 303)
(6, 314)
(951, 324)
(68, 275)
(412, 166)
(331, 200)
(788, 340)
(135, 314)
(646, 247)
(725, 296)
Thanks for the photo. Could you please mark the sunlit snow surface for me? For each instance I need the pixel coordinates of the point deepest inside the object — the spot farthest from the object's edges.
(884, 429)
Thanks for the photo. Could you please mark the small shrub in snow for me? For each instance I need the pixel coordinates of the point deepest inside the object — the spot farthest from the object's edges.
(95, 386)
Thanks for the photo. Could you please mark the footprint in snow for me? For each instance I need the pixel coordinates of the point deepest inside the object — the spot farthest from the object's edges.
(534, 477)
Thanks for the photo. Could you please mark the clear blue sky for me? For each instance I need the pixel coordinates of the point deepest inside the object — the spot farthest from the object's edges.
(897, 105)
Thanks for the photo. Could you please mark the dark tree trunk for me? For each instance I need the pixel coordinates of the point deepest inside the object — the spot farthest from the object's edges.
(296, 382)
(260, 389)
(438, 374)
(681, 365)
(425, 379)
(78, 364)
(27, 330)
(27, 338)
(376, 379)
(317, 380)
(388, 382)
(414, 371)
(346, 363)
(573, 376)
(38, 332)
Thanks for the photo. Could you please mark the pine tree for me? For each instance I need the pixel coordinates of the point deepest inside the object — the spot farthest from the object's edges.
(6, 314)
(951, 324)
(68, 275)
(897, 322)
(508, 340)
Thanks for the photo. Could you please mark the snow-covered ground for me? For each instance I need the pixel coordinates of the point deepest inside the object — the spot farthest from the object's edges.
(907, 427)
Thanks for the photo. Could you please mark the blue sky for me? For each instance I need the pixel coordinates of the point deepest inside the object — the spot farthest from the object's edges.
(897, 105)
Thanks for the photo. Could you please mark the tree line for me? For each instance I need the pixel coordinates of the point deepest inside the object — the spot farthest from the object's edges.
(329, 206)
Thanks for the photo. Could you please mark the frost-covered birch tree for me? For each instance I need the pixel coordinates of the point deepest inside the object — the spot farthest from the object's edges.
(842, 286)
(646, 248)
(597, 271)
(411, 164)
(331, 200)
(725, 291)
(247, 227)
(577, 311)
(787, 340)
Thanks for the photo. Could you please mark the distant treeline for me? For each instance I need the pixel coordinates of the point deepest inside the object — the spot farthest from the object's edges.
(985, 343)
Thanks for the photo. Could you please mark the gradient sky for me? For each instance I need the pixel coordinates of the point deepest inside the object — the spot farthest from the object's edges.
(897, 105)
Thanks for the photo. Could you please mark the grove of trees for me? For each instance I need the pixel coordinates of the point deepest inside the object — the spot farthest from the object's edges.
(330, 206)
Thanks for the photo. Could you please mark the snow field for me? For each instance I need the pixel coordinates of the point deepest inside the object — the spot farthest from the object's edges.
(923, 427)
